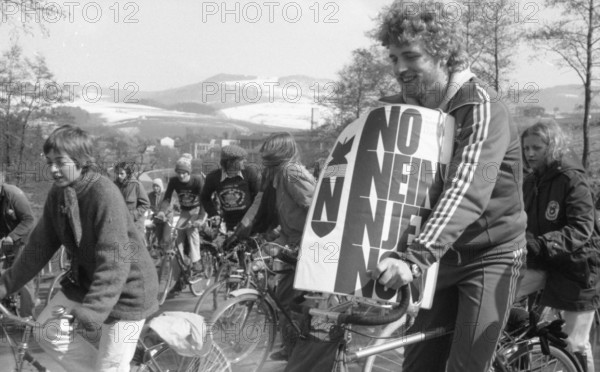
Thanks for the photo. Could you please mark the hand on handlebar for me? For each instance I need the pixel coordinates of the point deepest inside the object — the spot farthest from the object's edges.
(215, 220)
(392, 273)
(197, 224)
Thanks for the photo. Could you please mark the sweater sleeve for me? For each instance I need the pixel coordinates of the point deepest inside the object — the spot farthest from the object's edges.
(253, 181)
(300, 185)
(24, 216)
(143, 203)
(483, 139)
(113, 254)
(43, 242)
(205, 196)
(580, 224)
(166, 202)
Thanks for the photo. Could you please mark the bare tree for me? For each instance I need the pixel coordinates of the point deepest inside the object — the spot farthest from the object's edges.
(360, 84)
(25, 96)
(573, 38)
(13, 73)
(492, 31)
(28, 15)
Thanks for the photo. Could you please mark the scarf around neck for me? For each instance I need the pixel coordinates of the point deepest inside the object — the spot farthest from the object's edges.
(71, 209)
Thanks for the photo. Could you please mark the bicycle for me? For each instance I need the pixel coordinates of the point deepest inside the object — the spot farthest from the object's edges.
(526, 348)
(151, 224)
(252, 309)
(153, 354)
(174, 267)
(235, 272)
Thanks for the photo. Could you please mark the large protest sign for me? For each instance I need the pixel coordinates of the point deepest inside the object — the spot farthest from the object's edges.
(377, 188)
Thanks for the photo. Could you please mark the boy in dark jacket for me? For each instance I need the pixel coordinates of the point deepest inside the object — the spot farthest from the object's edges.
(188, 188)
(134, 193)
(112, 285)
(235, 184)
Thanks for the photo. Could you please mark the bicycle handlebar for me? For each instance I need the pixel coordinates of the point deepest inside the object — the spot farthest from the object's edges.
(367, 320)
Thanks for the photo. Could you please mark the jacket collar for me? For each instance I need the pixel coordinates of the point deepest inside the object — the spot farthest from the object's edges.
(225, 176)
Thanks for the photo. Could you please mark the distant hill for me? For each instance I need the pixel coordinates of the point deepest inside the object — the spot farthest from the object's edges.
(289, 101)
(564, 97)
(227, 90)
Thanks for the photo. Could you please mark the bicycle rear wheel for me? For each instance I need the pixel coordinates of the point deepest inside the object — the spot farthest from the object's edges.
(244, 328)
(529, 357)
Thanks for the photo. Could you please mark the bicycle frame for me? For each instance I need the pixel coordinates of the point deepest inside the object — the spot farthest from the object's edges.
(513, 343)
(22, 354)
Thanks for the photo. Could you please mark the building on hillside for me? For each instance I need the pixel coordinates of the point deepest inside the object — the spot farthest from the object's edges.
(227, 142)
(202, 149)
(46, 125)
(530, 111)
(167, 142)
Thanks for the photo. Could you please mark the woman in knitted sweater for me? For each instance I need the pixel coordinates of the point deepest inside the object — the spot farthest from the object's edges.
(112, 284)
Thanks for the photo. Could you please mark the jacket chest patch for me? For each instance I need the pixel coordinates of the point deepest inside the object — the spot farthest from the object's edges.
(552, 210)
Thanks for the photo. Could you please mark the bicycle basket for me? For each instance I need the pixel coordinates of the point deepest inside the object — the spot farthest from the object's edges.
(214, 361)
(184, 332)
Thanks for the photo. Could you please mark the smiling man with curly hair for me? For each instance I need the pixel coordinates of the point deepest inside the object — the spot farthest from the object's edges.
(476, 230)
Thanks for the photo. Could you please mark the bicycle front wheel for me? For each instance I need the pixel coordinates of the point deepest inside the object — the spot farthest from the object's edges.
(166, 359)
(201, 281)
(529, 357)
(55, 286)
(165, 279)
(215, 296)
(244, 328)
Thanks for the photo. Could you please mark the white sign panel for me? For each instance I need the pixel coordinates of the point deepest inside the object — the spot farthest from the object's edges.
(376, 190)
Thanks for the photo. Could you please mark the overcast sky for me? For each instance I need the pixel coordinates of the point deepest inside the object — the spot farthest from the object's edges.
(159, 44)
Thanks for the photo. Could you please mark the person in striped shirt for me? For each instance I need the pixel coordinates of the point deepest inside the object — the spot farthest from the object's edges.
(476, 230)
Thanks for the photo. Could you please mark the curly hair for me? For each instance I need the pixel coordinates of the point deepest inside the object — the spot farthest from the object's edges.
(436, 24)
(128, 167)
(552, 135)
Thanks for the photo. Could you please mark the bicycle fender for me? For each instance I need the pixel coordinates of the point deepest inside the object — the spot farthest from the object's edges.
(243, 291)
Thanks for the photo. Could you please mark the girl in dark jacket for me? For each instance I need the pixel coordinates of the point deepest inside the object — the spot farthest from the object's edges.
(134, 193)
(562, 242)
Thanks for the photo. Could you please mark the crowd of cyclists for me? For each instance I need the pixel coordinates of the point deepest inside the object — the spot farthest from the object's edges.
(535, 228)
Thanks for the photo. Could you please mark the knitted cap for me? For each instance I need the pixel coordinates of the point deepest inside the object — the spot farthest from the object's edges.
(184, 164)
(158, 182)
(233, 152)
